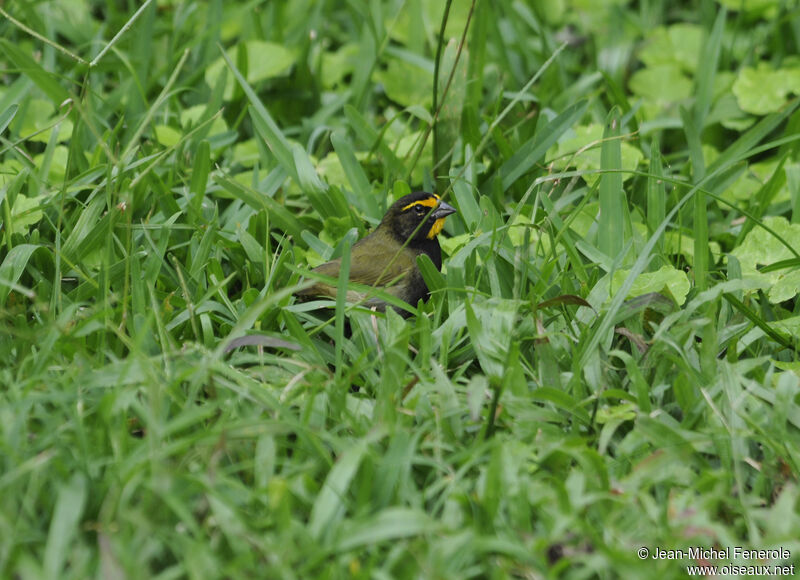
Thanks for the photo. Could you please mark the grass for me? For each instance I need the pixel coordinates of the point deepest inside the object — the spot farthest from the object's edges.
(609, 358)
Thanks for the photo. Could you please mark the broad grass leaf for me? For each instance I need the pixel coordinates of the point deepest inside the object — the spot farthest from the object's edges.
(324, 250)
(451, 105)
(329, 506)
(258, 201)
(763, 325)
(563, 400)
(292, 157)
(664, 434)
(491, 327)
(200, 171)
(743, 146)
(390, 524)
(70, 500)
(46, 81)
(307, 176)
(359, 183)
(433, 277)
(87, 220)
(12, 268)
(465, 201)
(372, 139)
(707, 70)
(569, 299)
(532, 151)
(7, 116)
(229, 520)
(613, 217)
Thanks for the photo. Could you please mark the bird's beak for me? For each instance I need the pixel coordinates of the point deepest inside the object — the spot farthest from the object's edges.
(444, 210)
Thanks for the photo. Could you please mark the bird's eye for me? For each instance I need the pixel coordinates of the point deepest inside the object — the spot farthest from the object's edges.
(419, 209)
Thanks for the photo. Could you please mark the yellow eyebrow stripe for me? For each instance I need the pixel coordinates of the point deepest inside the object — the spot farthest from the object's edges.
(427, 202)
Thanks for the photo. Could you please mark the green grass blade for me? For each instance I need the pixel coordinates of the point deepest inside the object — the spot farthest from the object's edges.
(359, 182)
(70, 502)
(707, 70)
(200, 172)
(700, 220)
(740, 149)
(12, 268)
(281, 216)
(611, 224)
(46, 81)
(329, 505)
(534, 150)
(7, 116)
(784, 341)
(765, 197)
(280, 147)
(341, 302)
(656, 195)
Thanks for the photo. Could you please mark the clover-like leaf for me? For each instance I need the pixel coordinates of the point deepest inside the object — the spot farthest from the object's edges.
(763, 89)
(166, 135)
(406, 83)
(25, 212)
(191, 115)
(785, 288)
(39, 115)
(265, 60)
(667, 278)
(679, 44)
(404, 26)
(680, 243)
(752, 180)
(581, 149)
(754, 8)
(661, 84)
(336, 65)
(761, 247)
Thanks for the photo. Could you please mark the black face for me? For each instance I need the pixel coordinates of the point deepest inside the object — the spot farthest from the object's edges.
(408, 212)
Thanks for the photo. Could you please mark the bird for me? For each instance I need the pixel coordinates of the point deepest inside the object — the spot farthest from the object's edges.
(381, 260)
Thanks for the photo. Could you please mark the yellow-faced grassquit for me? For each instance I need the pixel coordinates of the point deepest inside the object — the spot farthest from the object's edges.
(381, 261)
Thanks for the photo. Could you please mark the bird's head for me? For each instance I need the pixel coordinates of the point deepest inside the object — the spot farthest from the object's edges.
(407, 213)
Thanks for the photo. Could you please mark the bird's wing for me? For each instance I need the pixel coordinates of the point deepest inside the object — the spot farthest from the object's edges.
(368, 262)
(368, 265)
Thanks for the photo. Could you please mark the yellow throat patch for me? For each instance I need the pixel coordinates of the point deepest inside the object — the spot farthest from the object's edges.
(430, 202)
(436, 228)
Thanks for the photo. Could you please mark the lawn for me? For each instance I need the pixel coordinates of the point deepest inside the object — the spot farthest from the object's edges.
(607, 369)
